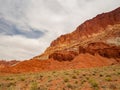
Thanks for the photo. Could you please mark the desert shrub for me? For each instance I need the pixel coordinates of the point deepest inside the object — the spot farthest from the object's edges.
(22, 79)
(94, 84)
(41, 76)
(108, 79)
(118, 73)
(84, 74)
(87, 78)
(66, 73)
(101, 75)
(75, 71)
(34, 86)
(42, 87)
(74, 77)
(53, 72)
(108, 75)
(76, 82)
(9, 78)
(70, 86)
(83, 81)
(66, 80)
(103, 87)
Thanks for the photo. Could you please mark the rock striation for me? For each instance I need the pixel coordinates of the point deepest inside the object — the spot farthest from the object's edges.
(104, 27)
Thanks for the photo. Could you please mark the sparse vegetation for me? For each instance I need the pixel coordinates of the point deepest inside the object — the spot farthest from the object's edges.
(108, 79)
(74, 77)
(66, 80)
(94, 84)
(103, 78)
(69, 86)
(34, 86)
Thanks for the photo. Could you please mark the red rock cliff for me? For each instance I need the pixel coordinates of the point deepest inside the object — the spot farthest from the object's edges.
(102, 28)
(95, 25)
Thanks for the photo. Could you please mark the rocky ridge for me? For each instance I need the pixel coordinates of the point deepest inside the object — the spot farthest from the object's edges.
(104, 27)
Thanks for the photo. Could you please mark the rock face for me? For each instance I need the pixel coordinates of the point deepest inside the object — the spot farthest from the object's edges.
(92, 26)
(102, 49)
(102, 28)
(63, 55)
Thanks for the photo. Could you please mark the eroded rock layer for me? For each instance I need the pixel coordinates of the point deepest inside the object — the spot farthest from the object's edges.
(102, 28)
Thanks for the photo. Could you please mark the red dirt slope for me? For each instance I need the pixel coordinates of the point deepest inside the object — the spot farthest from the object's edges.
(81, 61)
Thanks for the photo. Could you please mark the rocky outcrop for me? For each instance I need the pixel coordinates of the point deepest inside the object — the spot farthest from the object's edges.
(63, 55)
(102, 49)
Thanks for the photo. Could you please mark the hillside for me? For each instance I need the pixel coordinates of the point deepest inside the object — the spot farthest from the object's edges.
(104, 27)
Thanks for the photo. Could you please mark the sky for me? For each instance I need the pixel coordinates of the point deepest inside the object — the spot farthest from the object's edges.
(27, 27)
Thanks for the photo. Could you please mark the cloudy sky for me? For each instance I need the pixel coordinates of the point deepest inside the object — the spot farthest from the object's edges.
(28, 26)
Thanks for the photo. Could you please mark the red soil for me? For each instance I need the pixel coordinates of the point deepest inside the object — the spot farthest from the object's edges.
(81, 61)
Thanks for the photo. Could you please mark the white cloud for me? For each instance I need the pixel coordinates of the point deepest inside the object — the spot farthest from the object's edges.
(18, 47)
(53, 17)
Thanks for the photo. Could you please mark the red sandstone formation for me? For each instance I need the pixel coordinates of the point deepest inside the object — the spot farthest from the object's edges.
(92, 26)
(63, 55)
(102, 28)
(102, 49)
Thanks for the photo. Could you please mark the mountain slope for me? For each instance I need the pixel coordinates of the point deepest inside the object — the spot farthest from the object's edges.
(102, 28)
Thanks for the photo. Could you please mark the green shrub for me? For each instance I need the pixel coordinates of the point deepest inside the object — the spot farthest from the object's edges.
(83, 81)
(22, 79)
(34, 86)
(66, 73)
(66, 80)
(74, 77)
(118, 73)
(8, 78)
(69, 86)
(108, 75)
(75, 71)
(108, 79)
(42, 88)
(94, 84)
(76, 82)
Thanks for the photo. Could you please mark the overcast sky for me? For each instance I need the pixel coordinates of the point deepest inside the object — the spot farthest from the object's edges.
(28, 26)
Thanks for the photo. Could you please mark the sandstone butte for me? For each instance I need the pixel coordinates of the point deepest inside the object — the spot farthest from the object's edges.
(94, 43)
